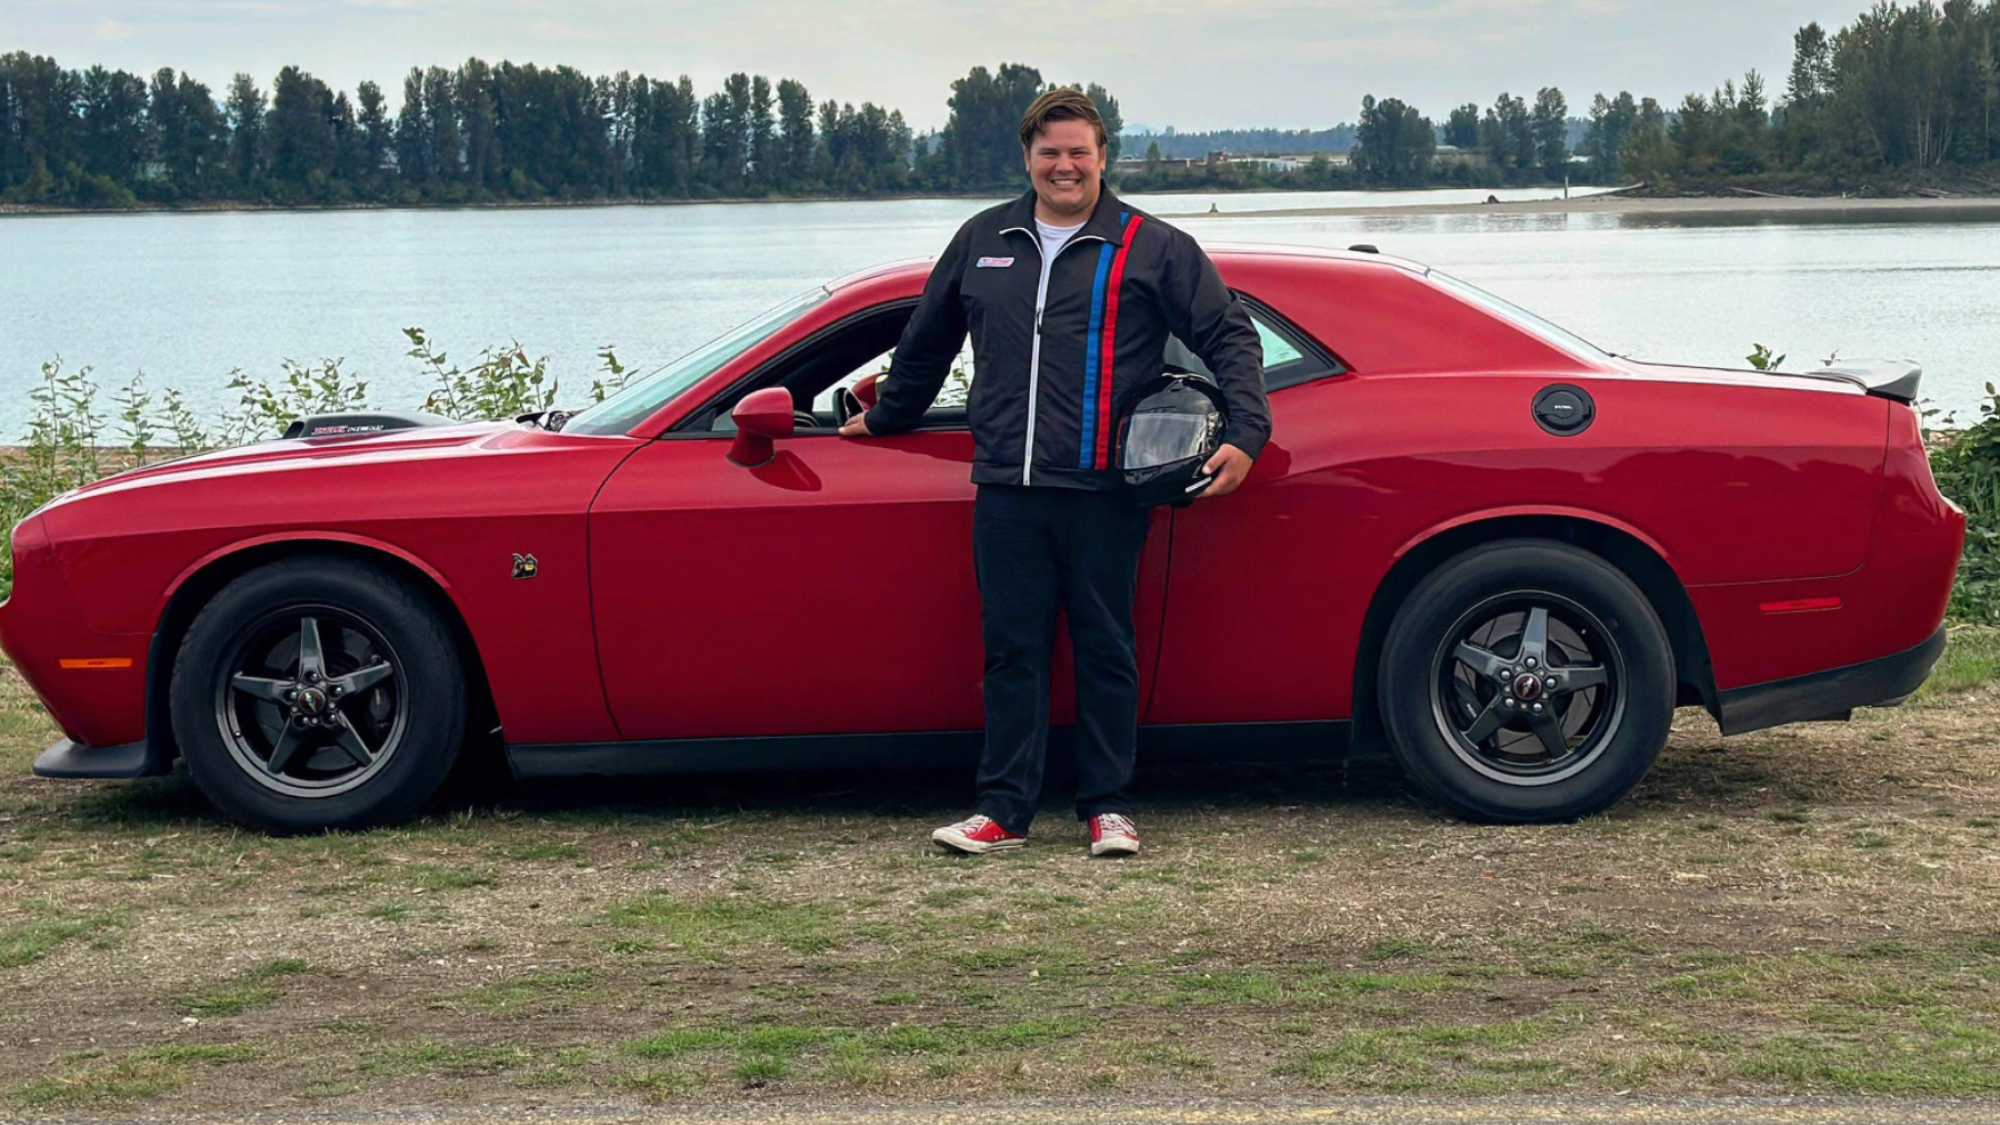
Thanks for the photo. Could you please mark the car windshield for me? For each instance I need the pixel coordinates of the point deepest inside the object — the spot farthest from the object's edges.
(629, 407)
(1541, 329)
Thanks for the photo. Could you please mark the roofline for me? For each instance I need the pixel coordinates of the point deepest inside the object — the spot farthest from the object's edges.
(1218, 249)
(1282, 250)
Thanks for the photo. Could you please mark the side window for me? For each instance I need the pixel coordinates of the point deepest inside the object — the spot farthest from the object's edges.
(951, 397)
(1289, 358)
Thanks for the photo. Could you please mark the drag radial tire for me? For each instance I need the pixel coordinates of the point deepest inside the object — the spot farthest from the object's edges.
(1526, 680)
(318, 692)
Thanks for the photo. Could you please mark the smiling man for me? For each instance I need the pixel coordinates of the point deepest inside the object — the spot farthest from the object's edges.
(1070, 296)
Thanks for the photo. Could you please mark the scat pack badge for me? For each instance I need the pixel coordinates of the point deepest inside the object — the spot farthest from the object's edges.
(525, 566)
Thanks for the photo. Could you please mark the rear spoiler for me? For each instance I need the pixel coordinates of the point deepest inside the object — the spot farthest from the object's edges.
(360, 422)
(1884, 378)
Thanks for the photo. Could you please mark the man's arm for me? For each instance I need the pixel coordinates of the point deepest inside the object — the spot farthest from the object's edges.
(930, 342)
(1215, 326)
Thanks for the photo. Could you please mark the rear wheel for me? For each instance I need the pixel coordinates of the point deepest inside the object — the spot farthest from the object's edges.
(1526, 680)
(318, 693)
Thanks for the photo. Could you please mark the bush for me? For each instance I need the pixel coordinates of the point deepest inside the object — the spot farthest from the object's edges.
(70, 442)
(1966, 463)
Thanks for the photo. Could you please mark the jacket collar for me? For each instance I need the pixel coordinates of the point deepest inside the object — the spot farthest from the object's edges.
(1103, 222)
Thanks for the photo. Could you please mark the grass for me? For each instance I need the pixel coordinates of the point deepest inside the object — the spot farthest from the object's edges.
(48, 927)
(709, 926)
(1806, 910)
(1971, 658)
(94, 1081)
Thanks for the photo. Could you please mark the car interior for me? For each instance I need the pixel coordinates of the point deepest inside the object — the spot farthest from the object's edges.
(818, 369)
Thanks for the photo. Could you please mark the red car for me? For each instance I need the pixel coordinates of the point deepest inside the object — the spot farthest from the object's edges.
(1473, 536)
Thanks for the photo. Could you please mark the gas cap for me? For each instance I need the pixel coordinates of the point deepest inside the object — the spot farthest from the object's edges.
(1563, 409)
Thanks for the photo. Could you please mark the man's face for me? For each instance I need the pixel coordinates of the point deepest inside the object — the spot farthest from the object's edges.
(1066, 165)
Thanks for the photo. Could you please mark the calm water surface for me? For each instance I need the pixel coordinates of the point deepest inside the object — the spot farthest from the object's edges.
(185, 298)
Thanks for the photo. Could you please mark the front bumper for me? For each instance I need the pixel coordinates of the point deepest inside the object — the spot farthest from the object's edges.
(72, 759)
(1882, 682)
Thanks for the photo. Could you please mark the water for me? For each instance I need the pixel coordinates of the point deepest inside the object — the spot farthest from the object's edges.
(186, 298)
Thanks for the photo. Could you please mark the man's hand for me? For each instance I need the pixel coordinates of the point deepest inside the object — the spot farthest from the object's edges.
(1229, 466)
(856, 426)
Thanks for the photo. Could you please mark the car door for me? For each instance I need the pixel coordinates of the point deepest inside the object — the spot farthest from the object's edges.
(829, 591)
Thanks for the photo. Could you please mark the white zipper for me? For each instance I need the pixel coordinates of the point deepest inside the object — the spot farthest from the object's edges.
(1035, 348)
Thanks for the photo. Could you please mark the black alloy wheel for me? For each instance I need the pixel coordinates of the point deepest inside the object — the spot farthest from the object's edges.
(318, 692)
(313, 702)
(1527, 688)
(1526, 680)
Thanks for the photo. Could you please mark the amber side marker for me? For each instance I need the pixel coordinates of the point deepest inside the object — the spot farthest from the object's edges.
(96, 662)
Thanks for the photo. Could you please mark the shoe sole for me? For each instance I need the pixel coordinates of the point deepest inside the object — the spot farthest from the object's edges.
(1115, 847)
(954, 842)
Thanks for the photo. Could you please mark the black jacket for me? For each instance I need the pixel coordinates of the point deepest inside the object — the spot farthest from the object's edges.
(1118, 288)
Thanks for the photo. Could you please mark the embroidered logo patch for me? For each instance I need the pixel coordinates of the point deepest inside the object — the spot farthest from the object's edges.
(994, 263)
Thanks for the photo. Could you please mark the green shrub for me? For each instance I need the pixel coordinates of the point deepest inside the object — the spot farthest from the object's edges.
(70, 441)
(1966, 463)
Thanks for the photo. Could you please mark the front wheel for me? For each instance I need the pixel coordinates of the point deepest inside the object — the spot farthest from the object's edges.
(1526, 680)
(318, 693)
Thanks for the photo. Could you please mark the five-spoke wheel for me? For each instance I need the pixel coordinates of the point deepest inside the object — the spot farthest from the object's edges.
(1526, 680)
(1527, 689)
(315, 703)
(318, 692)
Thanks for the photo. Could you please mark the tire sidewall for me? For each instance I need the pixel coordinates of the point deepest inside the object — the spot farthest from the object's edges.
(1523, 566)
(431, 669)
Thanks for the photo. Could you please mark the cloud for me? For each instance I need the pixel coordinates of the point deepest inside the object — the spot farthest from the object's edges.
(113, 30)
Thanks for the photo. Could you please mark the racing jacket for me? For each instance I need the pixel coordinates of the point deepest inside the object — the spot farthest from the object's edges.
(1053, 371)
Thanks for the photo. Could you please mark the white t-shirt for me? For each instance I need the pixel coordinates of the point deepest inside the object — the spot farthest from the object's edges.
(1053, 239)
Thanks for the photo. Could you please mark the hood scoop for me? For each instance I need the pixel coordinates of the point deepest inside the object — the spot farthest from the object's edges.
(361, 422)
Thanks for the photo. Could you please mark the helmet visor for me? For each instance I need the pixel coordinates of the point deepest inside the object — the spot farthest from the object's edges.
(1156, 439)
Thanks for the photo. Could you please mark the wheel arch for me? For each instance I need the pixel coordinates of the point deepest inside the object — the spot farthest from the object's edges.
(1637, 557)
(199, 584)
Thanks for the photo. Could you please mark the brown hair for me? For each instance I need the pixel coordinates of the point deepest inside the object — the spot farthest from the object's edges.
(1060, 104)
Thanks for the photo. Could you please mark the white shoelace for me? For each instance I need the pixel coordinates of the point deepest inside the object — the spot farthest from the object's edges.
(972, 824)
(1112, 824)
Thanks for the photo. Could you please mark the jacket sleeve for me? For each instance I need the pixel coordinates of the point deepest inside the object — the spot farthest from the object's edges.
(1215, 326)
(929, 343)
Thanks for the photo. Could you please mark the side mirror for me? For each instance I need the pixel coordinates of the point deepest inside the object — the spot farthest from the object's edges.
(761, 418)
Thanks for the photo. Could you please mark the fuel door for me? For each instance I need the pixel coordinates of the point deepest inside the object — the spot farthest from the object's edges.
(1563, 409)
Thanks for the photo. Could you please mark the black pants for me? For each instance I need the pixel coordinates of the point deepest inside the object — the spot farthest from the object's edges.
(1033, 550)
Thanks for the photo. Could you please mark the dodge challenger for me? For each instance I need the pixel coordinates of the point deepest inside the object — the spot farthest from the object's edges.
(1474, 539)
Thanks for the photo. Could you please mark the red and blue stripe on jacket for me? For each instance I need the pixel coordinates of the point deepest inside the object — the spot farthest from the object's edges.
(1100, 345)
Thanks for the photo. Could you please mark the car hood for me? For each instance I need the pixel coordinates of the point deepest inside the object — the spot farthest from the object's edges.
(281, 454)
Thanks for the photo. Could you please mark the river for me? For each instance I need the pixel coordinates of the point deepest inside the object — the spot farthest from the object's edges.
(186, 298)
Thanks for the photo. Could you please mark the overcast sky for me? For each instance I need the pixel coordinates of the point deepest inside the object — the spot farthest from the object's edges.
(1193, 64)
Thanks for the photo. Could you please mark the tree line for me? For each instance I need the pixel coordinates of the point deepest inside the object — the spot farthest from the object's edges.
(1900, 91)
(485, 132)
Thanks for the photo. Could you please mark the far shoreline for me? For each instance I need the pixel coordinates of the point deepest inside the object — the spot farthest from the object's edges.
(1609, 200)
(1621, 203)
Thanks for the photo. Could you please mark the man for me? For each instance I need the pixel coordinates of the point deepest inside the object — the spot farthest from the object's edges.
(1070, 296)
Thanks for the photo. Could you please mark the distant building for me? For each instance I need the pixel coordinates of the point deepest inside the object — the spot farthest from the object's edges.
(1272, 162)
(1451, 155)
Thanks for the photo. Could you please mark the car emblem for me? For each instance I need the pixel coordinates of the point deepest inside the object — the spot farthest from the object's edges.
(312, 701)
(1526, 686)
(525, 566)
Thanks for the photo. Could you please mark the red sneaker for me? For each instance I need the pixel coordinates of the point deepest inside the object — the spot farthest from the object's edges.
(977, 835)
(1113, 834)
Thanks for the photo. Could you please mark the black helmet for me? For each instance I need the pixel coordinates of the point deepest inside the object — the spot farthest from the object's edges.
(1172, 430)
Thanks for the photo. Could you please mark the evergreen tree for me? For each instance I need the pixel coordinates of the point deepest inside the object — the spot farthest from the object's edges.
(245, 108)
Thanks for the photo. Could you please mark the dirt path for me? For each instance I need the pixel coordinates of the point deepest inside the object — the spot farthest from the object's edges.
(1807, 911)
